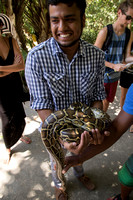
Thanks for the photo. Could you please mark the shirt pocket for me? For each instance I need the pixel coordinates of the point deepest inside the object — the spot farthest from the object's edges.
(88, 82)
(57, 84)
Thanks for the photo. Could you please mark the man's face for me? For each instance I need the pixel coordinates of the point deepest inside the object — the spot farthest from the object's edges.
(66, 24)
(125, 17)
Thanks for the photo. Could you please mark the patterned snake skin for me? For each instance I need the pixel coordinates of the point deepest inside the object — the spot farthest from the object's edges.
(68, 125)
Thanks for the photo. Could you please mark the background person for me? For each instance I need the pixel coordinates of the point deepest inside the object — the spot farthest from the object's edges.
(126, 78)
(11, 109)
(114, 56)
(125, 175)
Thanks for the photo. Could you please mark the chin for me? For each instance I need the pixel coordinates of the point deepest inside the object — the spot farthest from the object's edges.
(122, 26)
(64, 44)
(68, 44)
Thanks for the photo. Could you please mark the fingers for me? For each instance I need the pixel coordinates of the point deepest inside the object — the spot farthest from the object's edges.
(70, 146)
(17, 58)
(119, 67)
(84, 141)
(66, 168)
(97, 137)
(106, 133)
(66, 165)
(77, 149)
(70, 161)
(86, 138)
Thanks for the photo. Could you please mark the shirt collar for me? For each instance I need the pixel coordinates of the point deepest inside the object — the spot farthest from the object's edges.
(57, 50)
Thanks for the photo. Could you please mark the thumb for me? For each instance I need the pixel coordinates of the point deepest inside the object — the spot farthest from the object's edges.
(65, 169)
(69, 145)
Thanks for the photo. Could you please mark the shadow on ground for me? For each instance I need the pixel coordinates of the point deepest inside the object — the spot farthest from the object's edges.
(28, 176)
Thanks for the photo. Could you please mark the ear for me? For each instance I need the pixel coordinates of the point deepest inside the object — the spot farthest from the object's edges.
(119, 12)
(83, 20)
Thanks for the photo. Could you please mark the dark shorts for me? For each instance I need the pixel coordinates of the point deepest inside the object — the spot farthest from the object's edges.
(110, 89)
(126, 79)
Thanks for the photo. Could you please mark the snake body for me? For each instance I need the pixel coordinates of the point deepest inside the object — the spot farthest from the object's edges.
(68, 125)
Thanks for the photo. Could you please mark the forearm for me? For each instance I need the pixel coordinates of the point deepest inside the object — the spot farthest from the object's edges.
(117, 128)
(93, 150)
(97, 104)
(110, 65)
(2, 74)
(12, 68)
(129, 59)
(43, 114)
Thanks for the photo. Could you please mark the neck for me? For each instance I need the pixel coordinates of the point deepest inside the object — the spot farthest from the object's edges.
(118, 29)
(70, 51)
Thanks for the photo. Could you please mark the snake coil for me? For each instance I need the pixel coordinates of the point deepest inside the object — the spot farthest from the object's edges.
(68, 125)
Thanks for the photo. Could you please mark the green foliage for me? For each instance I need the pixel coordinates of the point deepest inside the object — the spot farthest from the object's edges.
(99, 13)
(2, 7)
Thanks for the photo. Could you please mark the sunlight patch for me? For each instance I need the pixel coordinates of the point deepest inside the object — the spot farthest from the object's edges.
(115, 173)
(38, 187)
(105, 154)
(46, 168)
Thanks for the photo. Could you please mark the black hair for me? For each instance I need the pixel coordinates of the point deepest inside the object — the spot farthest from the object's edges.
(81, 4)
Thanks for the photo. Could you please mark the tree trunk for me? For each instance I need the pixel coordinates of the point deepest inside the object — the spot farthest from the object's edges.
(11, 15)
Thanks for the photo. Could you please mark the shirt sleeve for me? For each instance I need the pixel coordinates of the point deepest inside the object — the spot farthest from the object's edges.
(99, 91)
(40, 96)
(128, 105)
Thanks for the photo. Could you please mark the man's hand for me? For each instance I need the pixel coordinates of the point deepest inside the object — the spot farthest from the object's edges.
(70, 161)
(78, 148)
(86, 138)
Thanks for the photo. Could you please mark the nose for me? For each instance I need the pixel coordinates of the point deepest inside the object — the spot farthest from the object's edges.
(62, 25)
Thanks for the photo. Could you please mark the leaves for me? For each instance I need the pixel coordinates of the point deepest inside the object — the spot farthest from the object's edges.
(99, 13)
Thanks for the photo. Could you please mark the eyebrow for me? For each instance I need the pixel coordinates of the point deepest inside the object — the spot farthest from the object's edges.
(66, 16)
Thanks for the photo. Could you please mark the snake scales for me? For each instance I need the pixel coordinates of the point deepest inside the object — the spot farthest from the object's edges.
(68, 124)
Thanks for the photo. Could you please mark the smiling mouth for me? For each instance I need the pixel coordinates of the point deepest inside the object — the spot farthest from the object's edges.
(64, 35)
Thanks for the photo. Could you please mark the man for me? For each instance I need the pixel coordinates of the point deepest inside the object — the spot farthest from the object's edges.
(63, 70)
(114, 53)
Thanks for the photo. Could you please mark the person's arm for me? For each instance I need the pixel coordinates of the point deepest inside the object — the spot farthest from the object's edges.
(2, 73)
(44, 113)
(18, 64)
(99, 43)
(118, 127)
(128, 56)
(97, 104)
(101, 37)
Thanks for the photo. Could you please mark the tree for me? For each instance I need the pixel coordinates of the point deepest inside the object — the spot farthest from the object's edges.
(29, 21)
(99, 13)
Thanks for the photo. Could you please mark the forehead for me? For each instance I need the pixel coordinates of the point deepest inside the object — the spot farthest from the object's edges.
(62, 9)
(130, 11)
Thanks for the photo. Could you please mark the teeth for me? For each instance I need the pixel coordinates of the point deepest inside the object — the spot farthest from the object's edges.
(64, 35)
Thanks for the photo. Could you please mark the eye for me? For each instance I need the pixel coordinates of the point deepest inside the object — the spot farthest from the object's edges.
(70, 19)
(54, 21)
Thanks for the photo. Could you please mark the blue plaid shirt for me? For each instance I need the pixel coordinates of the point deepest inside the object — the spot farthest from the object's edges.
(114, 53)
(55, 82)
